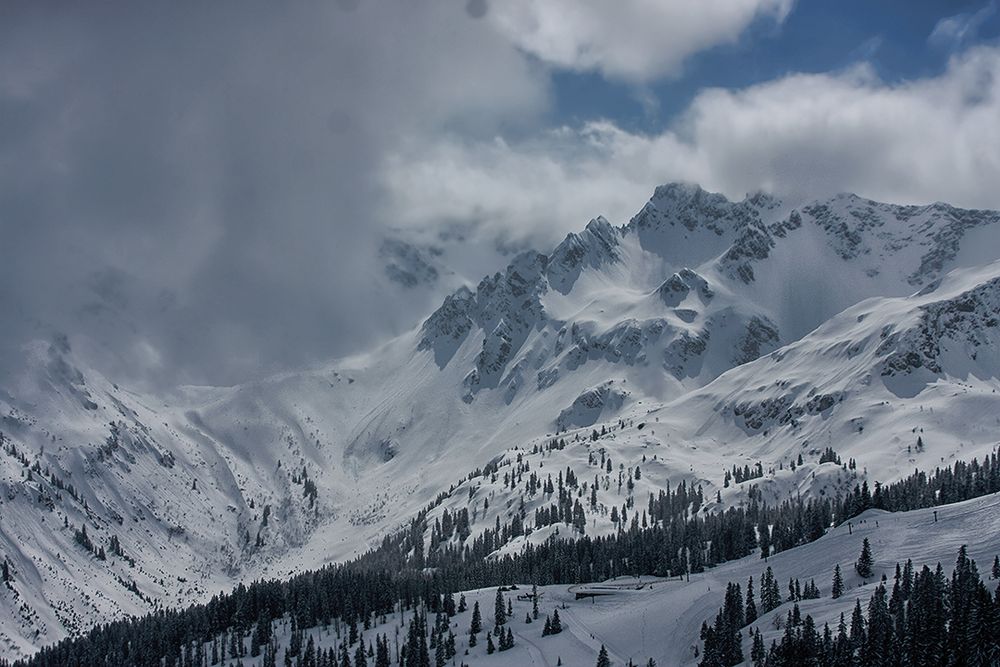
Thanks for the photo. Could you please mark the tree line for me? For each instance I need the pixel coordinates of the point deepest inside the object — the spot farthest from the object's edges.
(925, 619)
(675, 536)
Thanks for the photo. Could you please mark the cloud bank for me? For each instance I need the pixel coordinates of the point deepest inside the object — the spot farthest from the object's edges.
(804, 135)
(189, 190)
(196, 192)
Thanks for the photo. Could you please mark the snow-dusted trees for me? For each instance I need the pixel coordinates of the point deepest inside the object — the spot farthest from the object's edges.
(553, 624)
(476, 625)
(838, 583)
(865, 561)
(602, 658)
(770, 595)
(925, 620)
(499, 611)
(723, 639)
(751, 608)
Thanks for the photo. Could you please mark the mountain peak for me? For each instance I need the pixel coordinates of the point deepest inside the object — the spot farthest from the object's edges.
(682, 191)
(595, 246)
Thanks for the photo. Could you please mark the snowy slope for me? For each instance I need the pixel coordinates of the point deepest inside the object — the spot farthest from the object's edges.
(661, 618)
(869, 382)
(694, 317)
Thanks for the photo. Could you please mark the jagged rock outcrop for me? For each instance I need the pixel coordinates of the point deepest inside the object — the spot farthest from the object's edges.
(676, 288)
(448, 326)
(786, 409)
(596, 246)
(968, 324)
(591, 406)
(759, 337)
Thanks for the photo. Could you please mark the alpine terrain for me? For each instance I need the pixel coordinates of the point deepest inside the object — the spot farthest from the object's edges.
(655, 406)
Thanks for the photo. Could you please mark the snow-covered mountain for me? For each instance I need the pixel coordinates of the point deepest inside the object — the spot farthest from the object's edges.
(722, 332)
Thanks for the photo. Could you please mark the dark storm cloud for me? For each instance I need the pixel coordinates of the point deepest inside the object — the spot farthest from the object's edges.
(191, 190)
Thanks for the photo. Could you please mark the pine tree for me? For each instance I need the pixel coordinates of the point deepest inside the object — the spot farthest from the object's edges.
(857, 626)
(842, 646)
(865, 561)
(382, 652)
(547, 630)
(499, 611)
(477, 620)
(556, 627)
(440, 654)
(234, 645)
(449, 605)
(757, 651)
(838, 583)
(506, 640)
(352, 635)
(490, 648)
(995, 573)
(309, 657)
(770, 595)
(534, 600)
(602, 658)
(877, 648)
(751, 610)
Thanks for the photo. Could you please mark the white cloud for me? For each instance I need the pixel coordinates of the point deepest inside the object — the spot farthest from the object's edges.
(635, 40)
(805, 135)
(543, 187)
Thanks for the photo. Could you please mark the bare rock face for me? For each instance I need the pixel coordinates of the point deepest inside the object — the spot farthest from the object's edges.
(446, 328)
(676, 288)
(761, 336)
(592, 405)
(968, 324)
(783, 410)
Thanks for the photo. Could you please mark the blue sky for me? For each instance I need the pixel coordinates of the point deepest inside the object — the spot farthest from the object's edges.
(893, 36)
